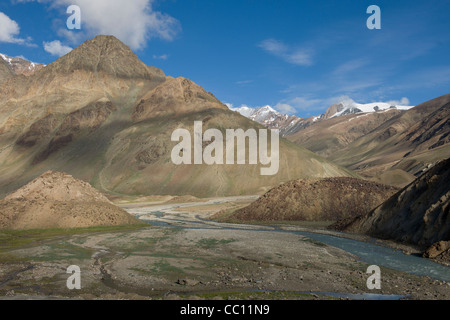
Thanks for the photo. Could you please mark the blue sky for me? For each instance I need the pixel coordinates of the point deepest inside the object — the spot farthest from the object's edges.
(297, 56)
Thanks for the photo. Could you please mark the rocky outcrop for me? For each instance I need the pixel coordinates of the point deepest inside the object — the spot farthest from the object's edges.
(439, 251)
(418, 214)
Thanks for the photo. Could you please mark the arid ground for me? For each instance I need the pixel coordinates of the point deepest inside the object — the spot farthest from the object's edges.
(182, 254)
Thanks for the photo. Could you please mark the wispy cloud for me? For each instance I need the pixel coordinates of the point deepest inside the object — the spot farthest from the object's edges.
(300, 57)
(56, 48)
(161, 57)
(243, 82)
(10, 30)
(350, 66)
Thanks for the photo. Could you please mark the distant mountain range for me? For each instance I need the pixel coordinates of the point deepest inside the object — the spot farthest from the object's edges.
(20, 65)
(269, 117)
(392, 144)
(289, 124)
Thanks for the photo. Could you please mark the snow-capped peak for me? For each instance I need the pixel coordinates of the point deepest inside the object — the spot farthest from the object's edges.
(348, 107)
(259, 114)
(20, 65)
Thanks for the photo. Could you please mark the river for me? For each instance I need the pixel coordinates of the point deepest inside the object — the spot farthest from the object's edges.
(371, 253)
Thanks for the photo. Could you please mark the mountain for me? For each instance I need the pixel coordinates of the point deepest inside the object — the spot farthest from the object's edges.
(269, 118)
(21, 66)
(103, 116)
(5, 71)
(57, 200)
(350, 107)
(408, 143)
(331, 134)
(290, 124)
(418, 214)
(326, 199)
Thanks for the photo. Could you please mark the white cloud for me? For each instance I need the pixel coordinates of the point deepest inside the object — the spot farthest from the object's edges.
(161, 57)
(285, 108)
(134, 22)
(56, 48)
(403, 102)
(9, 30)
(274, 46)
(243, 82)
(277, 48)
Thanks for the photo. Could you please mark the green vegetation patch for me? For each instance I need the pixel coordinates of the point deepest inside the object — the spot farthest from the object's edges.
(208, 243)
(12, 239)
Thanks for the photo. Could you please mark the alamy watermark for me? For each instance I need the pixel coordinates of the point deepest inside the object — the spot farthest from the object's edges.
(74, 281)
(374, 280)
(374, 21)
(213, 153)
(74, 20)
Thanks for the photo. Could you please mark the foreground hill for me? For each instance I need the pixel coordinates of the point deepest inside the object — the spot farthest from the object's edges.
(103, 116)
(57, 200)
(418, 214)
(327, 199)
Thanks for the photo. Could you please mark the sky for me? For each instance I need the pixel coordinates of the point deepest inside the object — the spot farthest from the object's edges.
(298, 56)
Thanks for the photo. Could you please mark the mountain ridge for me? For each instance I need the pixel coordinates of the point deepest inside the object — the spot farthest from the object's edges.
(101, 122)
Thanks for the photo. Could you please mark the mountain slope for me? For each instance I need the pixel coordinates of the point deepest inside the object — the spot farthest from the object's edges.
(5, 71)
(332, 134)
(410, 142)
(418, 214)
(103, 116)
(315, 200)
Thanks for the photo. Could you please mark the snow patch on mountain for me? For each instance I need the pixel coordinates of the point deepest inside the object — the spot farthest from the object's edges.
(350, 107)
(20, 65)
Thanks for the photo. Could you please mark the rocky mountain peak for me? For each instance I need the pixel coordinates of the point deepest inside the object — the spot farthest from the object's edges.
(105, 54)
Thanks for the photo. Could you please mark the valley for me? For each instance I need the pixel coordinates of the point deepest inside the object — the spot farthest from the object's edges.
(146, 183)
(182, 254)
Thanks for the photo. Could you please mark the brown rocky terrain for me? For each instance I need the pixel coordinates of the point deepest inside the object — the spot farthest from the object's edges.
(411, 142)
(57, 200)
(418, 214)
(332, 134)
(390, 146)
(103, 116)
(327, 199)
(5, 71)
(439, 251)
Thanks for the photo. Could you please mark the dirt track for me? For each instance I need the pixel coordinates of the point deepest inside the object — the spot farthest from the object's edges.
(199, 258)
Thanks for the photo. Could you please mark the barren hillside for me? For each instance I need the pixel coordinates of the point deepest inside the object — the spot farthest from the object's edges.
(57, 200)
